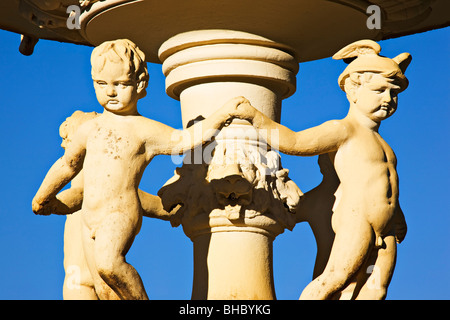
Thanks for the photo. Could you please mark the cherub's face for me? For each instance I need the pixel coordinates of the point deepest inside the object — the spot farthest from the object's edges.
(376, 98)
(115, 90)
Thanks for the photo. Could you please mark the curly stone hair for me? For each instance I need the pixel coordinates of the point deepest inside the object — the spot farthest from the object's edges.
(121, 51)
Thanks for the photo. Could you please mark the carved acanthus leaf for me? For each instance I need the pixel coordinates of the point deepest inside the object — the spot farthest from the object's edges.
(240, 182)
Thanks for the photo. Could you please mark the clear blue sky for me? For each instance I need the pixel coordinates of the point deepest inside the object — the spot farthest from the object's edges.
(40, 91)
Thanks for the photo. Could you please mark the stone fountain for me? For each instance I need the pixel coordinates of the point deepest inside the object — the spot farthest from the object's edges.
(237, 198)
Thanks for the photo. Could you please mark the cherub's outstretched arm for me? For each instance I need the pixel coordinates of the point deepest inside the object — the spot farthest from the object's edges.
(313, 141)
(171, 141)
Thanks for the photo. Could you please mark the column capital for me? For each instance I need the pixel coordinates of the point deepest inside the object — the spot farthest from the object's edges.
(209, 56)
(242, 189)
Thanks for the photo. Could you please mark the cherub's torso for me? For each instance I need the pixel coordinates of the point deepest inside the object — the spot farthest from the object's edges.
(115, 160)
(366, 166)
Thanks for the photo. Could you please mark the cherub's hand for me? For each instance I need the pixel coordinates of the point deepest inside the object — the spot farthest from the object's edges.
(245, 111)
(400, 227)
(40, 208)
(238, 107)
(400, 232)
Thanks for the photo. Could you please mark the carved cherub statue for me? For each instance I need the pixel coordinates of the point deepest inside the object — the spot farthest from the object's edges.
(367, 218)
(79, 282)
(113, 149)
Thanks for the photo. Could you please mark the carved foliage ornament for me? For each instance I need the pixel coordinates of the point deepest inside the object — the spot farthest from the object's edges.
(239, 183)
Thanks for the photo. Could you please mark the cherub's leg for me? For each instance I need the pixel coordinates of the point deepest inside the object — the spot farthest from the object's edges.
(351, 291)
(103, 291)
(112, 242)
(81, 292)
(375, 288)
(78, 282)
(316, 208)
(323, 232)
(351, 246)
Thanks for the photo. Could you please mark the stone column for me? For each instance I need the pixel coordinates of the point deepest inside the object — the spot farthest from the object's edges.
(237, 198)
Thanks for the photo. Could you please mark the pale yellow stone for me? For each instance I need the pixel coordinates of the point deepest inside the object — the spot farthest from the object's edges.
(367, 218)
(113, 150)
(235, 195)
(231, 195)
